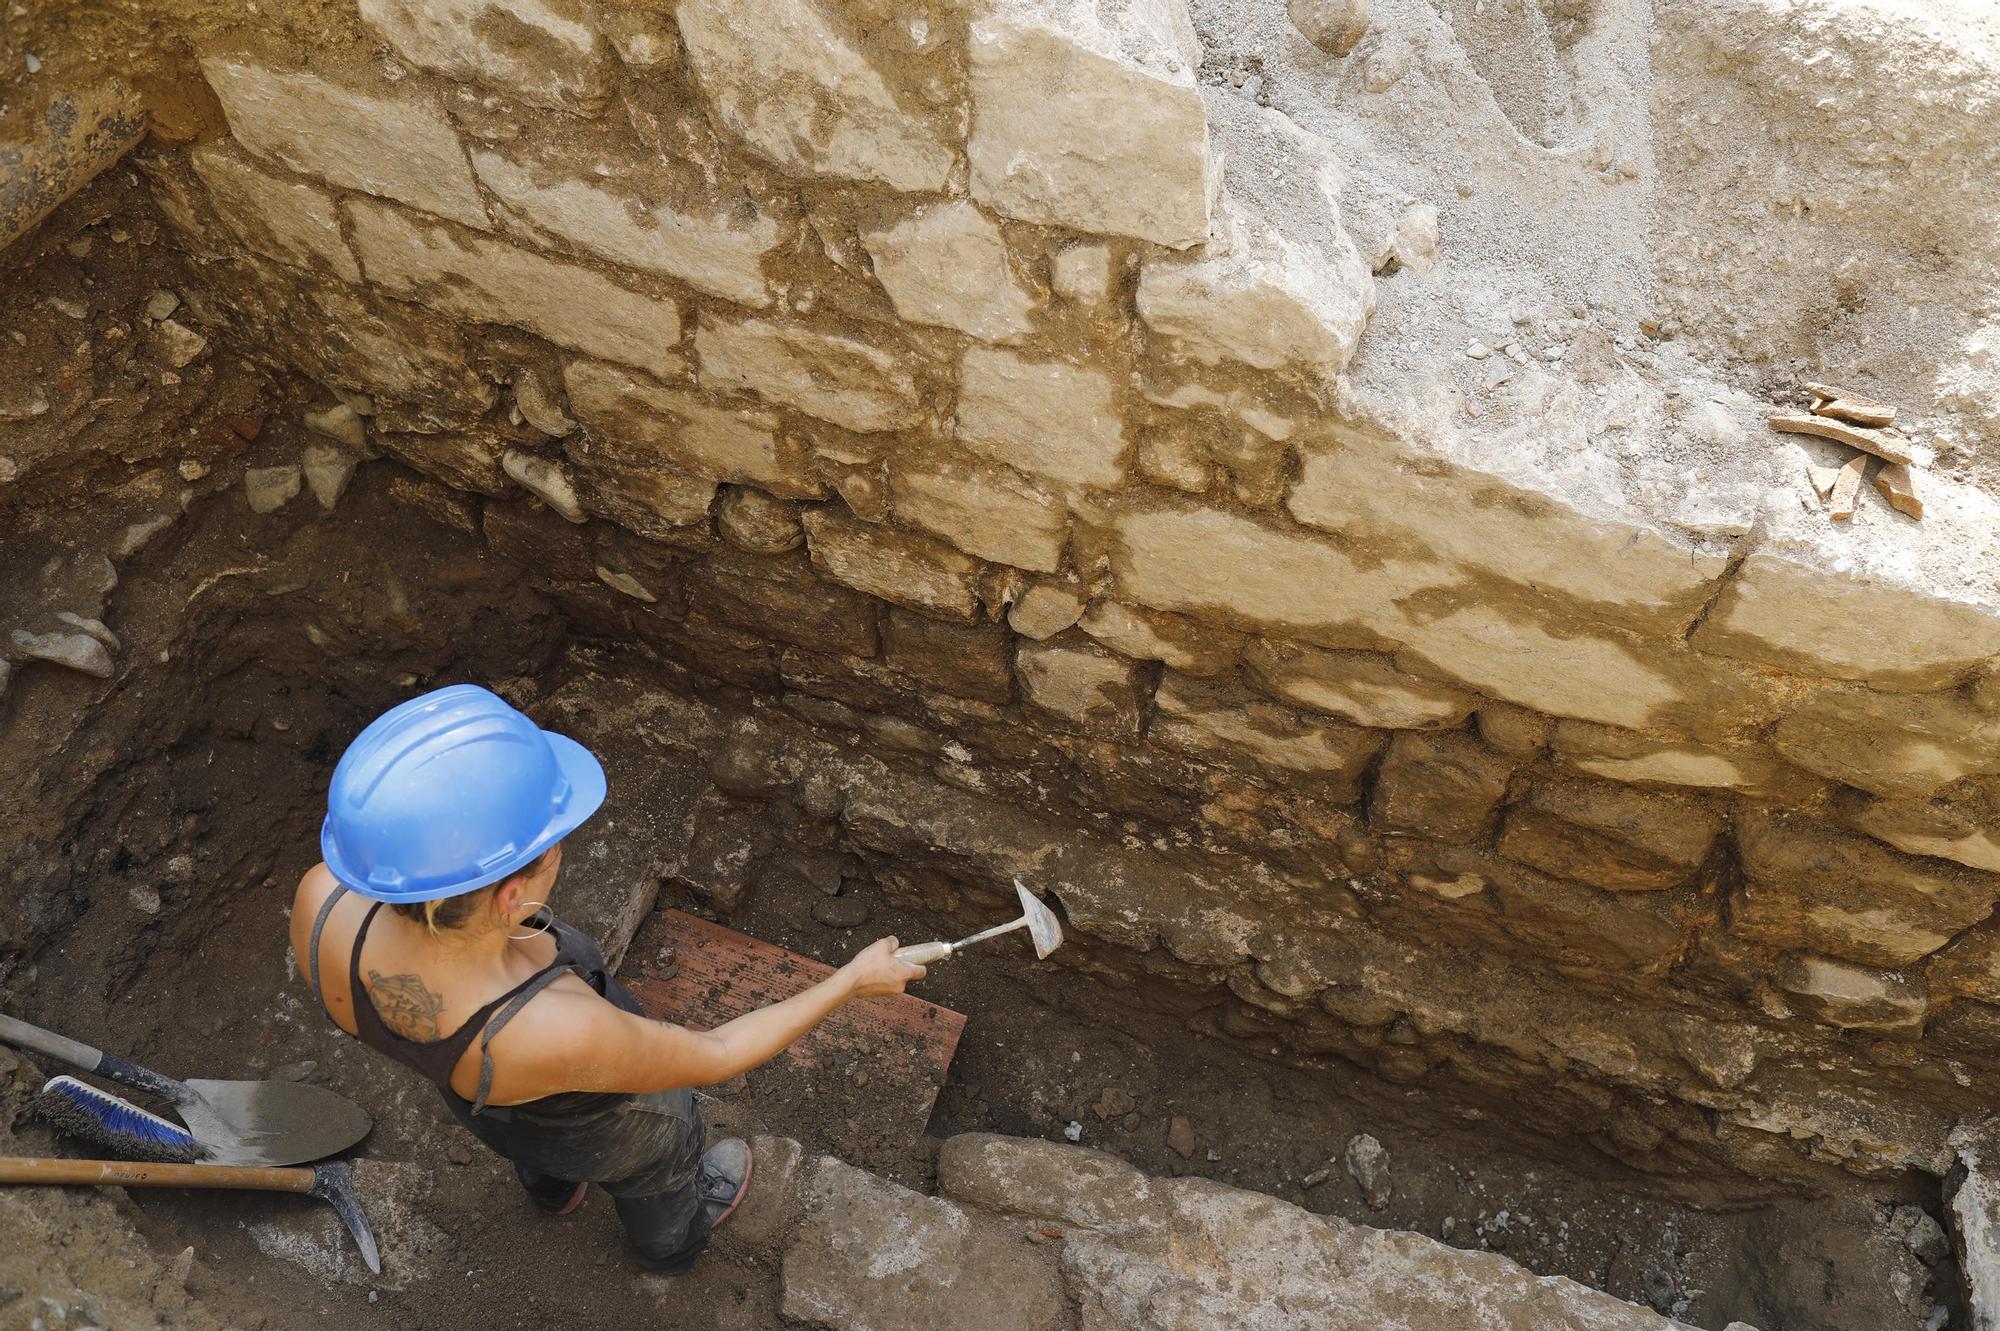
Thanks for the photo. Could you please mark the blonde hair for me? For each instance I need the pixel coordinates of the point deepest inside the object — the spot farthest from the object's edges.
(451, 912)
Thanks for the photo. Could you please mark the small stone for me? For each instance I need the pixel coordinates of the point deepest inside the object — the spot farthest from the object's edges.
(271, 488)
(161, 304)
(1368, 1165)
(328, 471)
(80, 247)
(761, 523)
(192, 469)
(1318, 1176)
(1478, 350)
(1180, 1137)
(182, 1267)
(1334, 26)
(459, 1153)
(297, 1071)
(96, 628)
(179, 343)
(624, 582)
(840, 912)
(179, 869)
(341, 423)
(1822, 479)
(1073, 1132)
(547, 480)
(1898, 484)
(33, 62)
(538, 409)
(75, 309)
(1114, 1102)
(145, 898)
(78, 651)
(1045, 610)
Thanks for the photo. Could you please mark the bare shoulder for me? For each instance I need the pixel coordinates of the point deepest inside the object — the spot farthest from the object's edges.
(313, 890)
(571, 1039)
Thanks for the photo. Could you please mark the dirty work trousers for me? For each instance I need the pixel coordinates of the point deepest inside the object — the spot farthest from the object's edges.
(645, 1152)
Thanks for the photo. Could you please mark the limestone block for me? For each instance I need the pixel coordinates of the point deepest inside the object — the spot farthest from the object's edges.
(1045, 417)
(1070, 1185)
(1899, 745)
(1215, 718)
(283, 219)
(1045, 610)
(871, 1255)
(1558, 922)
(1969, 968)
(1961, 822)
(968, 660)
(392, 139)
(1278, 283)
(759, 523)
(785, 77)
(1778, 612)
(1608, 835)
(946, 264)
(984, 511)
(1445, 785)
(1624, 755)
(626, 216)
(1514, 730)
(633, 422)
(1364, 687)
(1852, 998)
(1214, 562)
(1812, 889)
(547, 53)
(1098, 691)
(653, 501)
(856, 386)
(782, 598)
(1594, 677)
(327, 471)
(1182, 644)
(1087, 116)
(1082, 273)
(490, 281)
(349, 338)
(1489, 526)
(912, 571)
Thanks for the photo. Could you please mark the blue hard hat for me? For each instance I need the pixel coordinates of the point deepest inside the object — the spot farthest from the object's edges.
(449, 792)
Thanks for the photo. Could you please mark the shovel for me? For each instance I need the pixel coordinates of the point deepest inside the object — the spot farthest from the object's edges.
(236, 1122)
(1037, 919)
(332, 1183)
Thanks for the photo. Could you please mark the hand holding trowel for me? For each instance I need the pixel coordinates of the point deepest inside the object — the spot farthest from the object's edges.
(1037, 919)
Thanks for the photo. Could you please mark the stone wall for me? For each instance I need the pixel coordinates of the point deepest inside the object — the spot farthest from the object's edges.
(1016, 385)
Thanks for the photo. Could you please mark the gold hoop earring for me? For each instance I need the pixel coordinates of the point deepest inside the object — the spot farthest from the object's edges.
(533, 934)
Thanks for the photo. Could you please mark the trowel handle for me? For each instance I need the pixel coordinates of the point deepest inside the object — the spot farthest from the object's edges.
(923, 954)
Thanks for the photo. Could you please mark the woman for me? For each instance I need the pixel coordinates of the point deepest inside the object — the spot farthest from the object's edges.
(451, 810)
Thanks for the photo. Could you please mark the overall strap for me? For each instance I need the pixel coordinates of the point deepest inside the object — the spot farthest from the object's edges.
(319, 927)
(500, 1019)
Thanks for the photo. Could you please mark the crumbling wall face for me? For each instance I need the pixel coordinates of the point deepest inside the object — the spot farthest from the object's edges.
(974, 379)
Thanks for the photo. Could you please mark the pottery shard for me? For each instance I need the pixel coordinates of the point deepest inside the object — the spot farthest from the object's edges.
(1047, 418)
(1854, 408)
(1889, 445)
(855, 386)
(946, 264)
(394, 141)
(633, 422)
(1086, 115)
(490, 281)
(1898, 484)
(912, 571)
(784, 76)
(283, 219)
(547, 53)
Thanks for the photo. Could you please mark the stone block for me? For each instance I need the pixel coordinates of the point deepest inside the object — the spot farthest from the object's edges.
(1446, 786)
(1047, 418)
(871, 1255)
(1513, 730)
(1608, 835)
(1961, 822)
(781, 597)
(1895, 744)
(1096, 691)
(1624, 755)
(1812, 622)
(1364, 687)
(984, 511)
(548, 479)
(1809, 888)
(1278, 284)
(1218, 719)
(280, 218)
(946, 264)
(1852, 998)
(271, 488)
(1184, 645)
(1969, 967)
(1045, 610)
(489, 281)
(392, 140)
(653, 501)
(762, 524)
(912, 571)
(968, 660)
(780, 1166)
(856, 386)
(786, 77)
(624, 215)
(350, 338)
(547, 53)
(1087, 116)
(1069, 1185)
(633, 422)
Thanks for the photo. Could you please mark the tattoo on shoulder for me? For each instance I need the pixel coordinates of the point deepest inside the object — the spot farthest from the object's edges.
(408, 1007)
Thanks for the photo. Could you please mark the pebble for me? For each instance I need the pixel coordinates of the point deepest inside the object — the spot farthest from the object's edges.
(339, 422)
(1074, 1132)
(327, 472)
(271, 488)
(75, 309)
(161, 304)
(840, 912)
(179, 343)
(34, 63)
(80, 247)
(1478, 350)
(296, 1071)
(458, 1153)
(192, 469)
(78, 651)
(1115, 1102)
(145, 898)
(1180, 1137)
(1554, 353)
(1367, 1164)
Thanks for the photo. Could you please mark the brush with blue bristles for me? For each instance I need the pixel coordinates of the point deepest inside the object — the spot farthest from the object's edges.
(78, 1109)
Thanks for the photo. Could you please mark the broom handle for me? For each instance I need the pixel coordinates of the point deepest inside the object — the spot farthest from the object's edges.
(135, 1174)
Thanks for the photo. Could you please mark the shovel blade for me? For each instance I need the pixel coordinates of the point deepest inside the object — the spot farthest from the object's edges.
(271, 1122)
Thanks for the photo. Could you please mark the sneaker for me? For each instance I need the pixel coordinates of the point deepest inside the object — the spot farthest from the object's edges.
(724, 1179)
(555, 1196)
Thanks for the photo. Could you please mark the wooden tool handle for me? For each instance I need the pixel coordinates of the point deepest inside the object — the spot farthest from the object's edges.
(136, 1174)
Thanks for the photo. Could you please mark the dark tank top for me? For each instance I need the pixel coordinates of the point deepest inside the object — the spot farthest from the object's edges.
(436, 1060)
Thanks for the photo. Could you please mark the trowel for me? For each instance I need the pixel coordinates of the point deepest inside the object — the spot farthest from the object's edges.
(1037, 919)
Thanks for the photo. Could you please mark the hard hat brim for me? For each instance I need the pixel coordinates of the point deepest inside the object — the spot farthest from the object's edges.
(586, 794)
